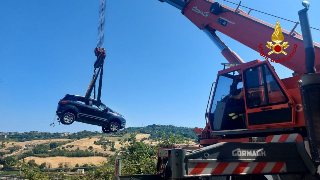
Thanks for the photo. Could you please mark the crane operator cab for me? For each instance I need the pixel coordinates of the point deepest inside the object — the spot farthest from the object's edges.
(249, 96)
(228, 107)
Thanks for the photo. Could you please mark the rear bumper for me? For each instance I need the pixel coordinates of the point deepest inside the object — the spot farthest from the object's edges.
(59, 113)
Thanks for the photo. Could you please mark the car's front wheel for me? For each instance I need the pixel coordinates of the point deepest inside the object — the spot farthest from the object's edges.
(114, 126)
(67, 118)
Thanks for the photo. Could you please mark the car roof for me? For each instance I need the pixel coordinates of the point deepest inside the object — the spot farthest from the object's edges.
(83, 97)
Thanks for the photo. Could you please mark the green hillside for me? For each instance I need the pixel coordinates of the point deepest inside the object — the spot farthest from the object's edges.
(154, 130)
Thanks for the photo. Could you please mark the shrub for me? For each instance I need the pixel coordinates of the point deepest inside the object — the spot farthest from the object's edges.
(53, 145)
(32, 163)
(43, 165)
(60, 165)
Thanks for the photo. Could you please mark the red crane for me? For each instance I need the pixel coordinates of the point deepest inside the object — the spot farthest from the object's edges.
(268, 124)
(269, 105)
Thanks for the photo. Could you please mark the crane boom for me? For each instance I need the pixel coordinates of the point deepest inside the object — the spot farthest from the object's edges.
(247, 30)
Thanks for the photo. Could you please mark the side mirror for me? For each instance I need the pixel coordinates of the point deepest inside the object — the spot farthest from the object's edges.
(106, 110)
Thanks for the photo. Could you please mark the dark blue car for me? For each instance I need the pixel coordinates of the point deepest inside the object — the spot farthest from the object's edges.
(77, 108)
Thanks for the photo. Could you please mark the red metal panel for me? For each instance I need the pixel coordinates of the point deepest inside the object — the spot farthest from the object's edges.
(259, 168)
(298, 138)
(251, 32)
(284, 138)
(208, 141)
(291, 82)
(220, 168)
(198, 130)
(277, 167)
(228, 168)
(199, 168)
(240, 168)
(235, 140)
(269, 138)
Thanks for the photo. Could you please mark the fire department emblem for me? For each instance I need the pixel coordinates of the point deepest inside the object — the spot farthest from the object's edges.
(277, 38)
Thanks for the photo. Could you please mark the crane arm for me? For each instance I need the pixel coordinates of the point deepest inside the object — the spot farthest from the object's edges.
(250, 31)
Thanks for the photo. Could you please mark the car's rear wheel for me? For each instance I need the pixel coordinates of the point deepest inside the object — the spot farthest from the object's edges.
(67, 118)
(105, 130)
(114, 126)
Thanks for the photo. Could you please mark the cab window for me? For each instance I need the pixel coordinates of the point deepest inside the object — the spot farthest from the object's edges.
(262, 89)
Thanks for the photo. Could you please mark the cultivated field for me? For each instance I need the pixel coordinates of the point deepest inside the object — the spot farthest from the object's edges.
(71, 161)
(141, 136)
(36, 142)
(85, 143)
(22, 144)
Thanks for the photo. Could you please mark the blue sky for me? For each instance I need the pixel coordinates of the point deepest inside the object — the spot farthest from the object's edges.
(158, 70)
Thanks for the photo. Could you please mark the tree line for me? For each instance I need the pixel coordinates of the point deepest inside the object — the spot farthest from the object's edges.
(154, 130)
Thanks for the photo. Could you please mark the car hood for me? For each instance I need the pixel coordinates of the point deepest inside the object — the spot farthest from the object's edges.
(114, 113)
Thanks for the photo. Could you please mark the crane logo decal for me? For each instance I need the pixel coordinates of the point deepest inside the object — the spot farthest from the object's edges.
(279, 46)
(240, 152)
(195, 9)
(277, 38)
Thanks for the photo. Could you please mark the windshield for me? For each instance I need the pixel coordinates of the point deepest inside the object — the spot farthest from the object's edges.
(223, 86)
(222, 90)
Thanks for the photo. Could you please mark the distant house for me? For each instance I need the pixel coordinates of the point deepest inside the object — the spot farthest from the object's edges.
(65, 134)
(80, 171)
(30, 146)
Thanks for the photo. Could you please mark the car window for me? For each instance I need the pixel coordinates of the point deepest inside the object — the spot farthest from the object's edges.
(95, 106)
(102, 106)
(81, 102)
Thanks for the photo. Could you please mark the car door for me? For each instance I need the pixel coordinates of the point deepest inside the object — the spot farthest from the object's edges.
(267, 101)
(83, 109)
(104, 112)
(95, 114)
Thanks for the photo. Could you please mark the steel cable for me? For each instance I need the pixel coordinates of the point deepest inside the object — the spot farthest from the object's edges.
(266, 13)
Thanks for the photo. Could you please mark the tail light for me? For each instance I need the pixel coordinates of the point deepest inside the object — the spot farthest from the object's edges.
(63, 102)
